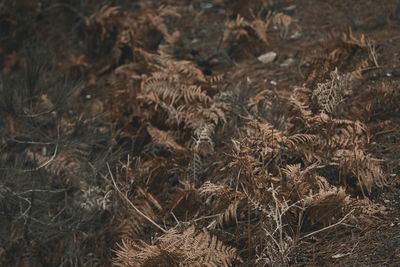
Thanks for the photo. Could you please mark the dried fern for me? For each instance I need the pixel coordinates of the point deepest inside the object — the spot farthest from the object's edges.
(226, 203)
(356, 164)
(327, 206)
(258, 26)
(164, 138)
(179, 87)
(174, 248)
(330, 94)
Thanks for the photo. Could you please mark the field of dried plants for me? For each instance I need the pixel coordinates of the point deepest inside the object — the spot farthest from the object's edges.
(199, 133)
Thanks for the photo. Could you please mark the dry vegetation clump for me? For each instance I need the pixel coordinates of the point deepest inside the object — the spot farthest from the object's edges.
(123, 150)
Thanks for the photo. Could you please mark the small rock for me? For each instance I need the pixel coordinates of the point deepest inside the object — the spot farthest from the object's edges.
(287, 63)
(273, 82)
(295, 35)
(267, 57)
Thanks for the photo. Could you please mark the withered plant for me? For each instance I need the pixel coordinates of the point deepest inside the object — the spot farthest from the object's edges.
(155, 158)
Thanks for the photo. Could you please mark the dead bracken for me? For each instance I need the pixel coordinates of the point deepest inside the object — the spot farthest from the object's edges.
(199, 133)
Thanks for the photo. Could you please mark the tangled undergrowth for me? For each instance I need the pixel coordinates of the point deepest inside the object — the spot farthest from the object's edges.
(131, 147)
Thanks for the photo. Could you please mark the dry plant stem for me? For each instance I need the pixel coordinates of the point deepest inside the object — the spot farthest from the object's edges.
(387, 131)
(127, 170)
(358, 173)
(31, 142)
(248, 227)
(372, 50)
(35, 115)
(130, 203)
(207, 217)
(261, 223)
(177, 221)
(328, 227)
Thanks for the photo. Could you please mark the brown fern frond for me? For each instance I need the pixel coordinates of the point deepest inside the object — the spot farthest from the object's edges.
(303, 146)
(255, 100)
(215, 113)
(327, 206)
(338, 52)
(282, 21)
(164, 138)
(215, 79)
(170, 68)
(346, 134)
(139, 253)
(358, 71)
(182, 90)
(236, 27)
(297, 139)
(149, 197)
(241, 27)
(131, 227)
(356, 164)
(226, 201)
(381, 98)
(260, 26)
(187, 248)
(301, 183)
(349, 38)
(106, 17)
(301, 107)
(185, 201)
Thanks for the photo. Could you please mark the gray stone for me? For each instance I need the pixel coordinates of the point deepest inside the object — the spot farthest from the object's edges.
(267, 57)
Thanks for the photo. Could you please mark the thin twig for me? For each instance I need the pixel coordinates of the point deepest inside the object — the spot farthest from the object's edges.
(328, 227)
(35, 115)
(371, 49)
(41, 190)
(177, 221)
(130, 203)
(31, 142)
(358, 172)
(207, 217)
